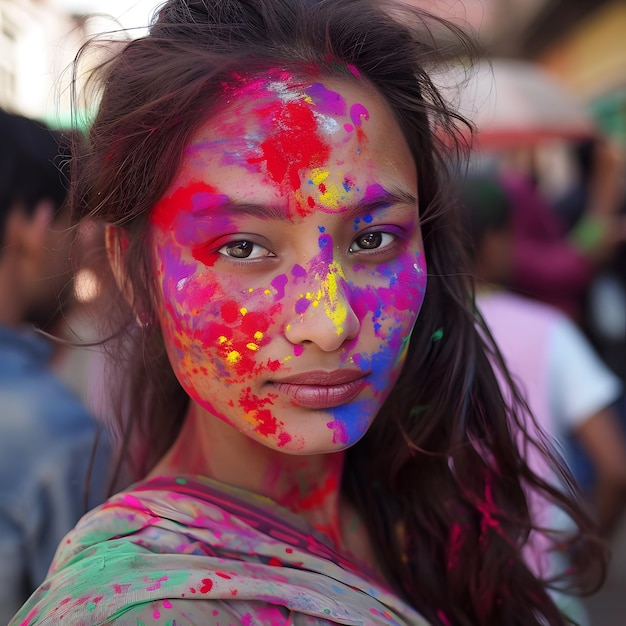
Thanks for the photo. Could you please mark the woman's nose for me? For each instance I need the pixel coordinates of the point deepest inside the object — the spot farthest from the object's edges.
(324, 315)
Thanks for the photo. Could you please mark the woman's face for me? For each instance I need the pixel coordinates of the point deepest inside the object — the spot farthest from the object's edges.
(290, 263)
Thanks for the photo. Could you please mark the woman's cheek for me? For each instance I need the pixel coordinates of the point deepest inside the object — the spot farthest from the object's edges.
(222, 326)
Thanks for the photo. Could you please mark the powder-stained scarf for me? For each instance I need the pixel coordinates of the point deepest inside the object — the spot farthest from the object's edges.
(181, 551)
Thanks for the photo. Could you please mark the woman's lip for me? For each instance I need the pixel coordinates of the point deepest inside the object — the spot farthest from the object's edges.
(323, 377)
(319, 396)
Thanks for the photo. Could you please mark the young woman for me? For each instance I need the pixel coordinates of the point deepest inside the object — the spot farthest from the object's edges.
(311, 450)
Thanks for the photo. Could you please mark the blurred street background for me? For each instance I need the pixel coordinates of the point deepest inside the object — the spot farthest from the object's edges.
(553, 78)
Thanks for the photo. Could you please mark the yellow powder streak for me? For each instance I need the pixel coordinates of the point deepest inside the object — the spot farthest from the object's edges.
(331, 198)
(335, 309)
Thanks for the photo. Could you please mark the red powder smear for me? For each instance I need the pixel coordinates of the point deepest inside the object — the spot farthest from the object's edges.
(204, 256)
(311, 202)
(207, 585)
(273, 365)
(317, 498)
(230, 312)
(456, 542)
(166, 209)
(224, 575)
(293, 145)
(283, 439)
(267, 424)
(239, 331)
(274, 562)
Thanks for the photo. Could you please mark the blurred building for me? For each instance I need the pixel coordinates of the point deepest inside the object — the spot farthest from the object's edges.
(584, 44)
(38, 42)
(580, 41)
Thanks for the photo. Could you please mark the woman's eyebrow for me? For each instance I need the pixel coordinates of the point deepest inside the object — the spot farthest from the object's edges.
(250, 209)
(373, 201)
(380, 199)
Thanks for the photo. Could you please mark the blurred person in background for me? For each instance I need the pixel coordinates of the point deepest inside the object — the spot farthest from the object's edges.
(549, 262)
(46, 434)
(599, 183)
(569, 388)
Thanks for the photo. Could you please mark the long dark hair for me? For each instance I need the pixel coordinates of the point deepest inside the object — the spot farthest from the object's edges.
(438, 478)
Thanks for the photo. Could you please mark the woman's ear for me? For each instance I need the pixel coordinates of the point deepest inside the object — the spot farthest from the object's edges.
(116, 240)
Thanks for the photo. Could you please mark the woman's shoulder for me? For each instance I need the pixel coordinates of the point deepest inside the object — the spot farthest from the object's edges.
(156, 552)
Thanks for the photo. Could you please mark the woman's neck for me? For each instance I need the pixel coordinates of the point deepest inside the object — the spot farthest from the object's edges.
(309, 486)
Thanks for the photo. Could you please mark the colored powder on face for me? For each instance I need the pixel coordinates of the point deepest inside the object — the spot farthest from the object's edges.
(279, 284)
(375, 192)
(198, 196)
(352, 420)
(298, 271)
(265, 422)
(230, 312)
(283, 439)
(340, 436)
(348, 128)
(327, 101)
(325, 243)
(293, 143)
(332, 280)
(302, 304)
(358, 113)
(333, 195)
(298, 350)
(232, 338)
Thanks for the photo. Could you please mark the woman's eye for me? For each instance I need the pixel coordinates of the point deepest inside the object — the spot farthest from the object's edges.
(371, 241)
(244, 249)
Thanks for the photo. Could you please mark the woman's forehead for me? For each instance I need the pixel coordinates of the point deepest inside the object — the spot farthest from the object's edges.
(254, 101)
